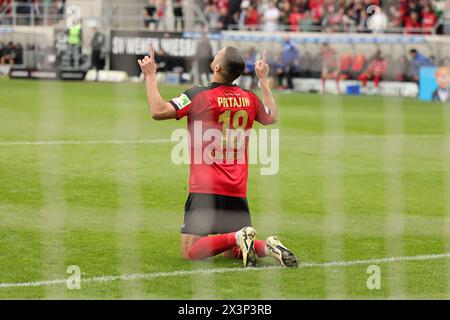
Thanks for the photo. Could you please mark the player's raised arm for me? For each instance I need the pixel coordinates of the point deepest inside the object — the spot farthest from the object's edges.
(262, 72)
(160, 109)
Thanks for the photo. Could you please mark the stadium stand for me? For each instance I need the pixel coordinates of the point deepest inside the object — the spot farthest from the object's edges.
(41, 29)
(403, 16)
(409, 16)
(28, 12)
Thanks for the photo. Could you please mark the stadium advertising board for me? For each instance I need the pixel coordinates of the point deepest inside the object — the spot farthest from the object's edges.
(435, 84)
(387, 88)
(20, 73)
(128, 46)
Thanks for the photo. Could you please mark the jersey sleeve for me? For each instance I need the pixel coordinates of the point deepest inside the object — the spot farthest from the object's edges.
(183, 103)
(263, 114)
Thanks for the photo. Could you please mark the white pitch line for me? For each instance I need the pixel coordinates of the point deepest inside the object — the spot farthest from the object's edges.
(151, 141)
(182, 273)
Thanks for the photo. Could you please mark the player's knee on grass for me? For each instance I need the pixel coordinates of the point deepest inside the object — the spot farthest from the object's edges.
(187, 240)
(185, 254)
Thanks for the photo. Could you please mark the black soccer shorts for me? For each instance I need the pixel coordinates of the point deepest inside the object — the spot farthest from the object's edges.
(206, 214)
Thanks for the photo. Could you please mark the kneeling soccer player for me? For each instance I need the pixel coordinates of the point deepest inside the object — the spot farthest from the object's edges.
(217, 202)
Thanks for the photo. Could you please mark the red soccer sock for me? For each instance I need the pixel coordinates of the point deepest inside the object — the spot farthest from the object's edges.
(363, 78)
(260, 249)
(376, 81)
(212, 245)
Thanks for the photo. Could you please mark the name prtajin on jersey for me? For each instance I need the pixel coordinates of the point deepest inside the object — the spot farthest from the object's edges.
(233, 102)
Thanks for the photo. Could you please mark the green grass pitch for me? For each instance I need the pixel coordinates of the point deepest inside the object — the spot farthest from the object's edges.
(360, 178)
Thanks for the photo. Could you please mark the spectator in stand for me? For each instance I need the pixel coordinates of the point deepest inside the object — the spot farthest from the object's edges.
(375, 71)
(223, 10)
(289, 64)
(222, 4)
(418, 60)
(317, 11)
(306, 21)
(60, 7)
(233, 12)
(223, 18)
(429, 19)
(150, 15)
(303, 4)
(252, 18)
(212, 14)
(244, 8)
(333, 18)
(372, 2)
(270, 17)
(413, 6)
(362, 26)
(294, 18)
(412, 24)
(178, 14)
(285, 10)
(395, 16)
(352, 15)
(330, 68)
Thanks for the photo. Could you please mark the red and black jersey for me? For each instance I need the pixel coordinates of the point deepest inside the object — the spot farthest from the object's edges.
(378, 66)
(212, 109)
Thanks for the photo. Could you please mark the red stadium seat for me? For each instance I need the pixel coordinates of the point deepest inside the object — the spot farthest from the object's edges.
(345, 66)
(346, 62)
(358, 63)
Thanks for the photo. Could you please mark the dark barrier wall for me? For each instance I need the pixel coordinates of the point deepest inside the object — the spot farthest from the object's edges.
(128, 46)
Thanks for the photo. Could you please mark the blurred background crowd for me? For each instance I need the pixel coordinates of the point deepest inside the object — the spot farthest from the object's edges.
(409, 16)
(35, 12)
(405, 16)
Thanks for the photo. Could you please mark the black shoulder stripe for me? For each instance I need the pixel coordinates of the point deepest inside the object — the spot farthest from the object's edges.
(192, 92)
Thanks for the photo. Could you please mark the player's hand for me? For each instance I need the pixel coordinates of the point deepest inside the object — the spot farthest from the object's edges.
(262, 68)
(148, 64)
